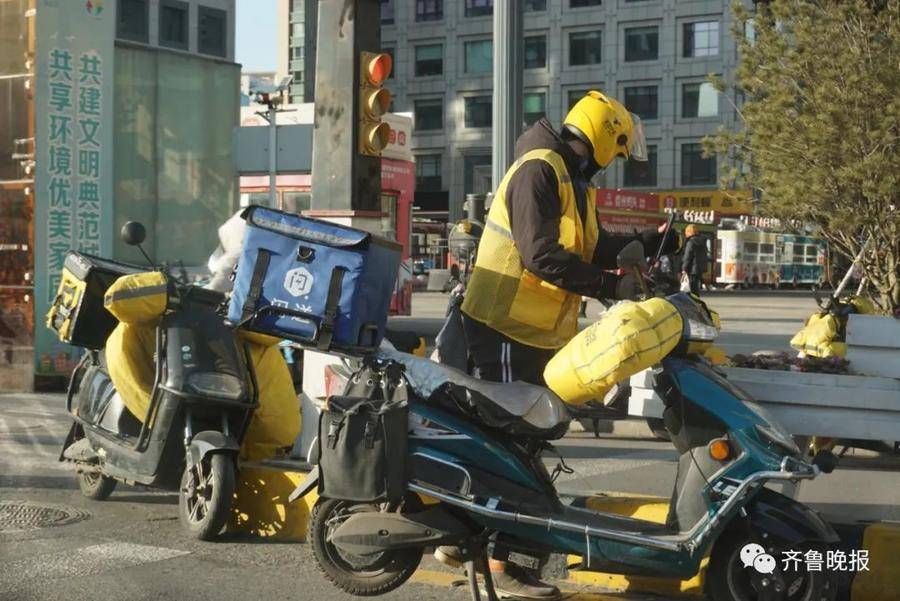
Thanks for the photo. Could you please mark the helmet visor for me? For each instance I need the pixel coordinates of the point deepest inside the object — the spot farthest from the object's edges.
(637, 148)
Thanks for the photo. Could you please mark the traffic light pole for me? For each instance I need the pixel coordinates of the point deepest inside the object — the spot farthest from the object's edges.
(509, 51)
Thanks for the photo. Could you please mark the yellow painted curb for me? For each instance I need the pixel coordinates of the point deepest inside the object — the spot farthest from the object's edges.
(260, 506)
(651, 509)
(882, 580)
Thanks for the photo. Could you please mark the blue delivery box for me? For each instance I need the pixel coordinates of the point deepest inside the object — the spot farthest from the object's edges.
(318, 283)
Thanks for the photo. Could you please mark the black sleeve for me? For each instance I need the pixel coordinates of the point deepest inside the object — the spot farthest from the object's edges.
(609, 245)
(532, 197)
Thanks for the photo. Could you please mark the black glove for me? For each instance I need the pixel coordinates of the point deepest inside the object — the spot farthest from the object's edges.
(651, 239)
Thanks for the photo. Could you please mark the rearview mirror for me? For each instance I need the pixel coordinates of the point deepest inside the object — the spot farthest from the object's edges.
(631, 256)
(133, 233)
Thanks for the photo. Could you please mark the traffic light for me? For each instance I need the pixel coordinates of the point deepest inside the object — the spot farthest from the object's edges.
(374, 101)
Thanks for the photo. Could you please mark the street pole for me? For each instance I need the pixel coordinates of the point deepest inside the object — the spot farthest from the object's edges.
(509, 50)
(273, 155)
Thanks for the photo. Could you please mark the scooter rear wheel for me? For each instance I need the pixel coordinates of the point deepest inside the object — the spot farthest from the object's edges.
(205, 496)
(357, 575)
(728, 580)
(96, 486)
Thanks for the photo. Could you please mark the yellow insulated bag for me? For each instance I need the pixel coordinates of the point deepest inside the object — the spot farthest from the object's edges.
(138, 298)
(628, 338)
(820, 337)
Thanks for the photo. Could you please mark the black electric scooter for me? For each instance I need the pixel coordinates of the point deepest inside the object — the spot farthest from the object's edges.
(203, 397)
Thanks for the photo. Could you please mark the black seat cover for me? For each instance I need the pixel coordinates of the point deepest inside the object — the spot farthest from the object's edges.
(518, 408)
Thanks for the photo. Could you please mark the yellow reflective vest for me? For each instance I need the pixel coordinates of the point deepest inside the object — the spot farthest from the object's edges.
(510, 299)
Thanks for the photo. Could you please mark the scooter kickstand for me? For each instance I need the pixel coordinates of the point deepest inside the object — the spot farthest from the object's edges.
(473, 580)
(488, 579)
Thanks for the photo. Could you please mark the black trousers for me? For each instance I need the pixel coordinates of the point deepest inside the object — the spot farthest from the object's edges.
(695, 281)
(499, 358)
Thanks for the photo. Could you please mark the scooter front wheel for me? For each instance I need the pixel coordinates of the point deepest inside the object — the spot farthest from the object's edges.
(364, 576)
(728, 579)
(96, 486)
(205, 495)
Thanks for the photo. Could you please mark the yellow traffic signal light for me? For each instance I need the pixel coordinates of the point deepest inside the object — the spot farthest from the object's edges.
(374, 101)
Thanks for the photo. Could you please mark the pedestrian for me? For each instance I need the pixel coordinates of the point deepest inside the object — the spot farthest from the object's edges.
(696, 258)
(541, 251)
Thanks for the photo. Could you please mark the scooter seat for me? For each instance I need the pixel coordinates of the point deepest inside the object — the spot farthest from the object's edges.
(517, 408)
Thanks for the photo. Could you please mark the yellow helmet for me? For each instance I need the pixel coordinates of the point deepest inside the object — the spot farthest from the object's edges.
(608, 127)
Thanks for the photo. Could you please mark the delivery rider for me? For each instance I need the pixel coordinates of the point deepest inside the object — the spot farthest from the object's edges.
(541, 251)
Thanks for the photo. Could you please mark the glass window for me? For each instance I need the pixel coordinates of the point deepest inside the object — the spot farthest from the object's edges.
(535, 5)
(132, 20)
(573, 96)
(797, 250)
(534, 107)
(585, 48)
(429, 60)
(479, 8)
(643, 101)
(751, 249)
(701, 39)
(581, 3)
(641, 44)
(428, 172)
(477, 173)
(535, 52)
(767, 251)
(642, 173)
(429, 114)
(211, 28)
(295, 202)
(173, 24)
(479, 57)
(429, 10)
(478, 111)
(699, 100)
(695, 169)
(387, 12)
(389, 216)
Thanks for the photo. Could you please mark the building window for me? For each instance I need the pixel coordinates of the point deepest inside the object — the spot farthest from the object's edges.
(641, 44)
(478, 111)
(534, 107)
(643, 101)
(696, 170)
(699, 100)
(477, 173)
(429, 114)
(428, 172)
(479, 57)
(585, 48)
(642, 174)
(533, 6)
(295, 202)
(479, 8)
(583, 3)
(387, 12)
(535, 52)
(573, 96)
(132, 20)
(173, 24)
(701, 39)
(429, 60)
(212, 25)
(429, 10)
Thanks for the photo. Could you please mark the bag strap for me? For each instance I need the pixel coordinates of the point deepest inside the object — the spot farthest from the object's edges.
(336, 422)
(256, 283)
(371, 427)
(326, 329)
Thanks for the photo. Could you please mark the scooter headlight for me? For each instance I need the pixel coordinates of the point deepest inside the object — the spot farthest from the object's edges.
(216, 385)
(778, 437)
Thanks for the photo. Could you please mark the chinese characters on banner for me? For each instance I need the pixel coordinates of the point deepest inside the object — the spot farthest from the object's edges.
(74, 121)
(75, 89)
